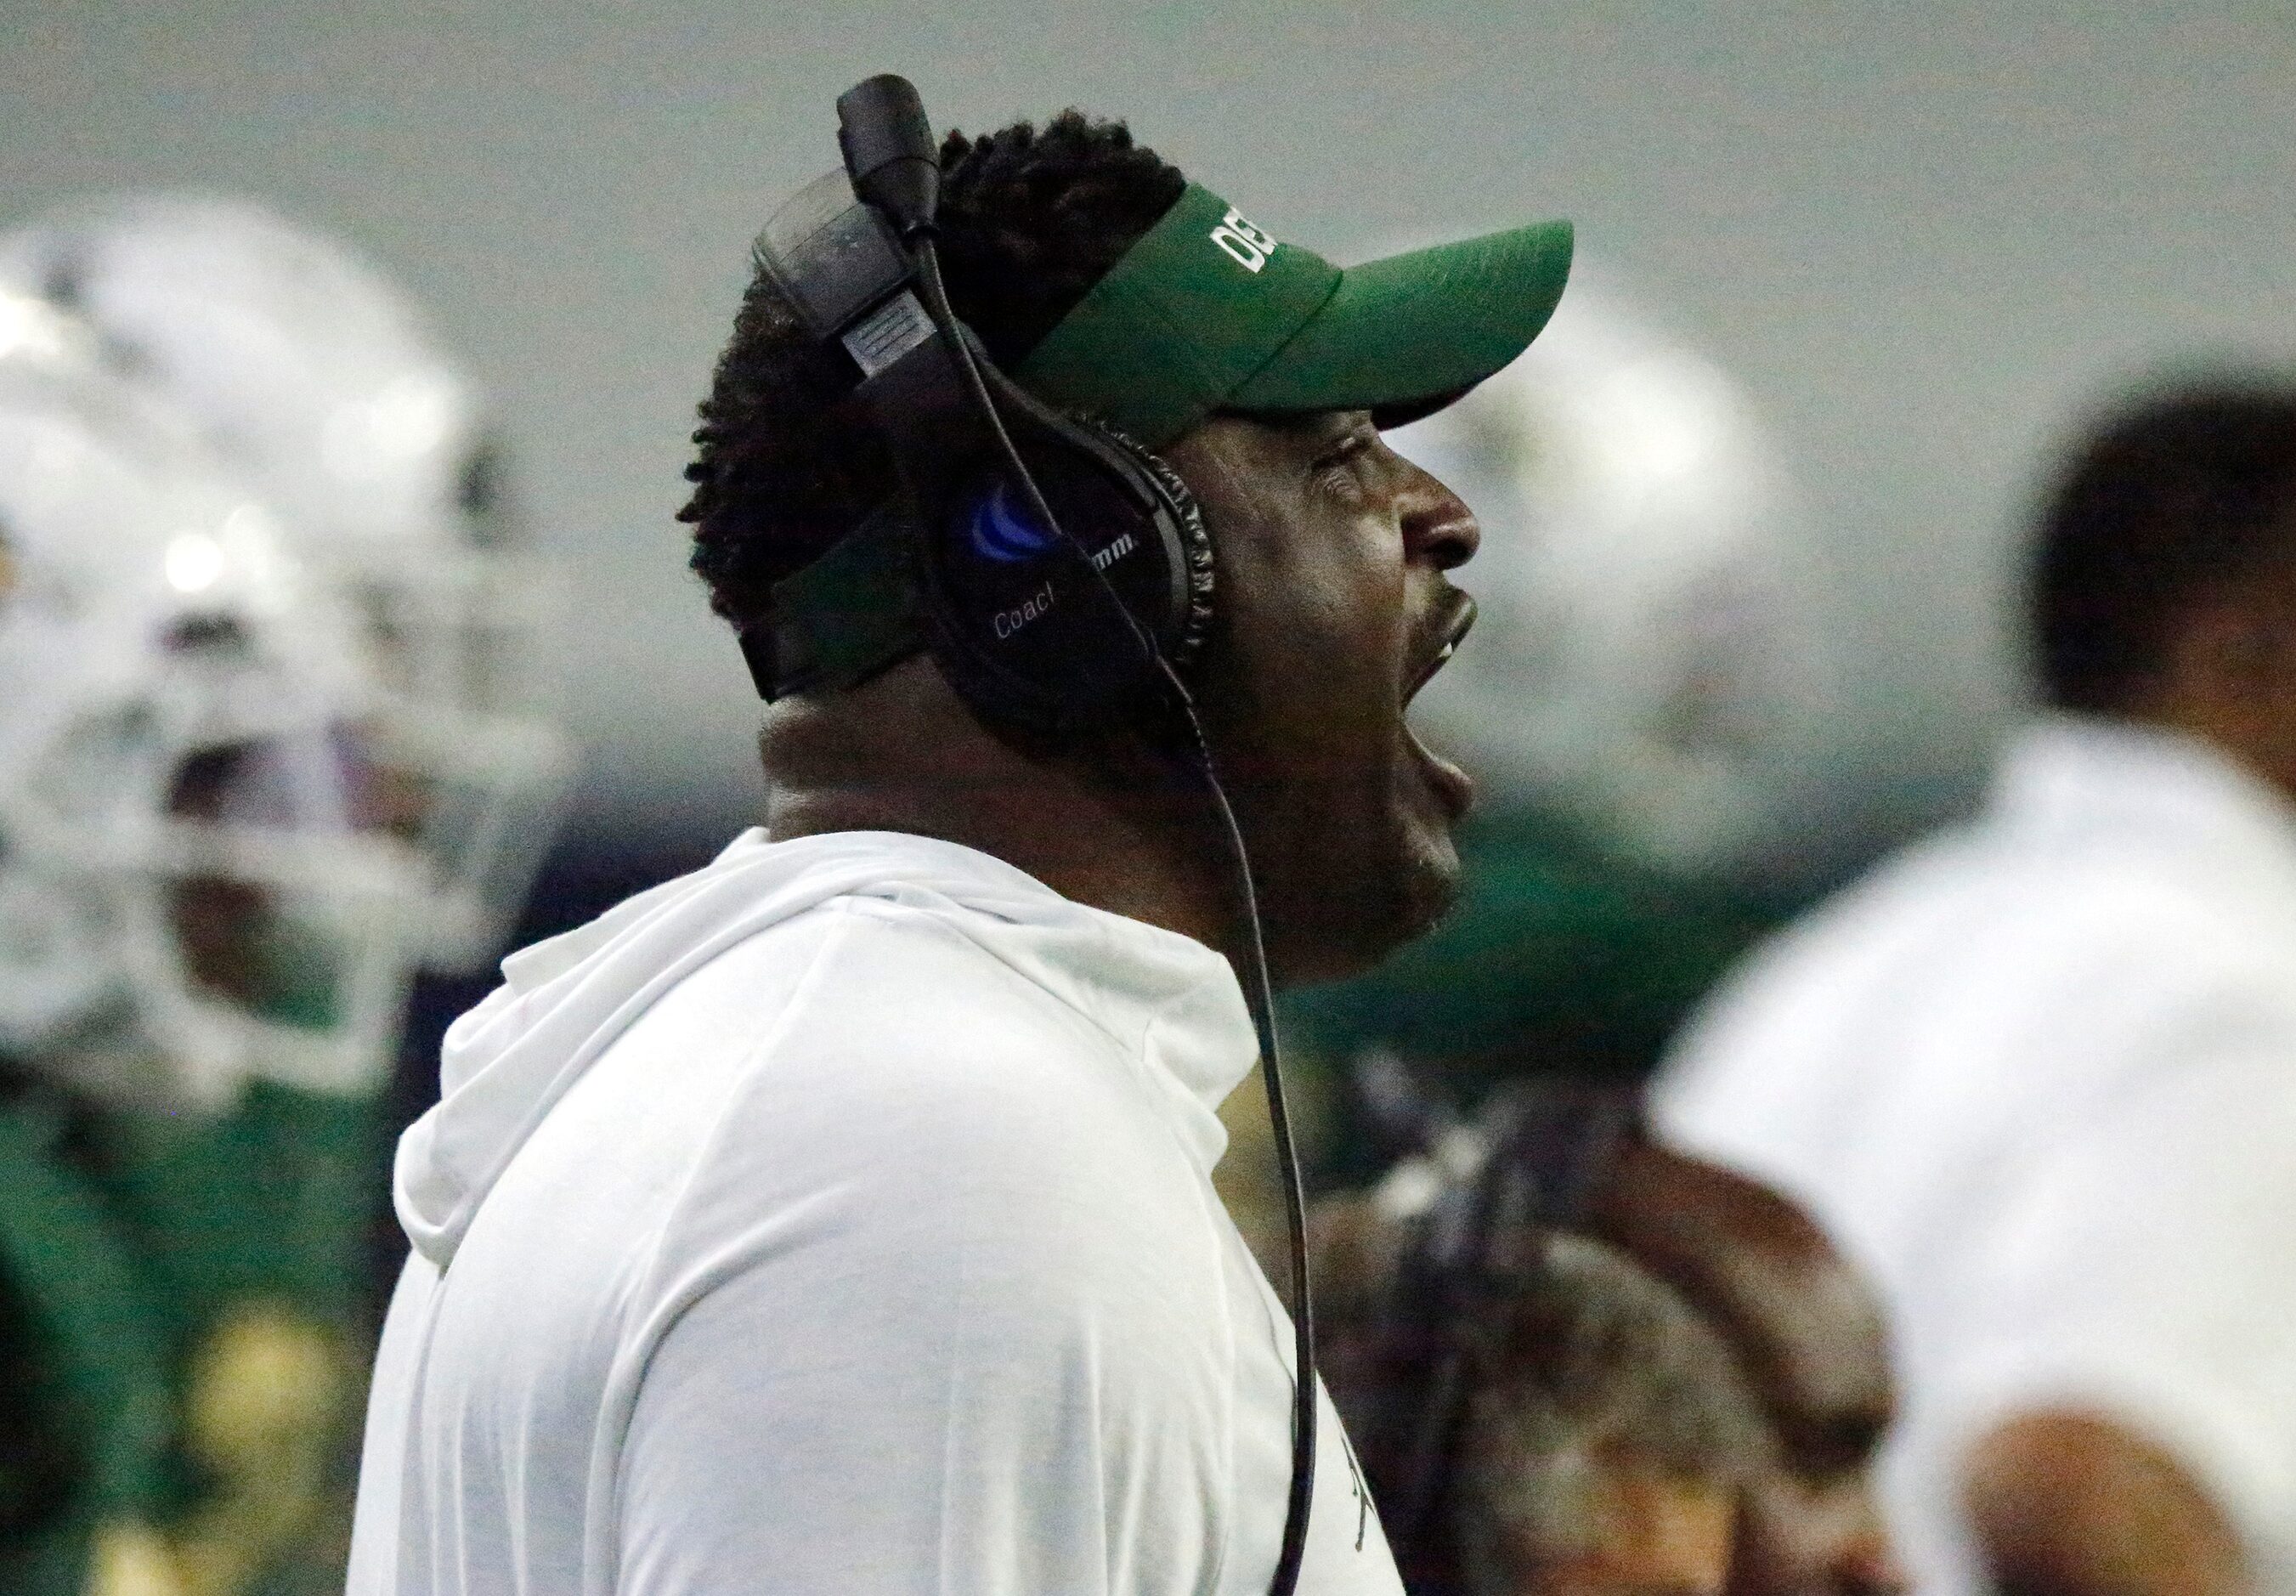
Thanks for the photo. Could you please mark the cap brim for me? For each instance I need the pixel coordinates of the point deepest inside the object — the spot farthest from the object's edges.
(1404, 336)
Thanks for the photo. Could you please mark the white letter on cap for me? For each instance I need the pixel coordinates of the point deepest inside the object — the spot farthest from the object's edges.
(1245, 244)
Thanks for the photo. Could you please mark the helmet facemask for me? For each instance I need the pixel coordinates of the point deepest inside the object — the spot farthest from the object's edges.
(315, 384)
(205, 875)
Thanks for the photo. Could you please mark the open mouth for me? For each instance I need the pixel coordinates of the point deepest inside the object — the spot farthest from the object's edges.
(1451, 785)
(1455, 629)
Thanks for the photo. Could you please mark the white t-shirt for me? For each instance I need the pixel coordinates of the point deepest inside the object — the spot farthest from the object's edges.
(839, 1219)
(2039, 1076)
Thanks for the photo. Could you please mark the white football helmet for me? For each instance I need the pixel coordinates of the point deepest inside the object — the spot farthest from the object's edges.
(200, 881)
(1648, 659)
(317, 383)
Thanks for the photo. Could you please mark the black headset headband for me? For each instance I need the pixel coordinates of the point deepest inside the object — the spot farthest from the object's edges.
(1045, 617)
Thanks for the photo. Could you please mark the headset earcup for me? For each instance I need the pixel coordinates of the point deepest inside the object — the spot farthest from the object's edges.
(1028, 632)
(1202, 570)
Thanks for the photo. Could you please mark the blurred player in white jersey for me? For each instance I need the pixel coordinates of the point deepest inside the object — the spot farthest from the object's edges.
(208, 917)
(316, 382)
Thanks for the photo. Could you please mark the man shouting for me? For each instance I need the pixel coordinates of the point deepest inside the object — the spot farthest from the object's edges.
(839, 1218)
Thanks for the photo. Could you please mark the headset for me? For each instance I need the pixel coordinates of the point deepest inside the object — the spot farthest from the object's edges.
(1061, 574)
(1054, 566)
(1546, 1148)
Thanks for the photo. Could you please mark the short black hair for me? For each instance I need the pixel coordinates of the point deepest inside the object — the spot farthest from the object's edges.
(2190, 487)
(1029, 219)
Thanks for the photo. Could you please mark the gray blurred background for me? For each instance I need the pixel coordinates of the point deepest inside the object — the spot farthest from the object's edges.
(1924, 236)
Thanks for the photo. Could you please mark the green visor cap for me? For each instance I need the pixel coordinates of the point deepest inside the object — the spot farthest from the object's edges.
(1206, 312)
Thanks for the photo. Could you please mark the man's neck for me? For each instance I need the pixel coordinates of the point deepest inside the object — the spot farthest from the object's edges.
(902, 754)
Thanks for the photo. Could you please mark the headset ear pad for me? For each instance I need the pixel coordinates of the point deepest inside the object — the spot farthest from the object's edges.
(1024, 626)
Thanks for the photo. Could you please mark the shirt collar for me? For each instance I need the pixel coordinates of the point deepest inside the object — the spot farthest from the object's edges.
(2074, 777)
(1166, 999)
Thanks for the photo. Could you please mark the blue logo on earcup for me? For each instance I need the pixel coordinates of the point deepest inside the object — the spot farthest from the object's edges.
(1002, 531)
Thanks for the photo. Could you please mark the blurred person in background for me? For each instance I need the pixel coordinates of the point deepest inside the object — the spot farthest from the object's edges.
(1536, 1413)
(308, 377)
(316, 381)
(1606, 1441)
(1645, 712)
(2038, 1074)
(1802, 1329)
(1806, 1335)
(208, 916)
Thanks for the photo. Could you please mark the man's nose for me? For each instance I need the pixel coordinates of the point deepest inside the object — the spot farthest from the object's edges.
(1438, 527)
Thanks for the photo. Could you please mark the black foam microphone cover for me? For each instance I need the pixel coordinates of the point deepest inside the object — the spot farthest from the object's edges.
(888, 151)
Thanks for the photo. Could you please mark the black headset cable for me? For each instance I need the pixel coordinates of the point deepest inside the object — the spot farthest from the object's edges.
(1259, 993)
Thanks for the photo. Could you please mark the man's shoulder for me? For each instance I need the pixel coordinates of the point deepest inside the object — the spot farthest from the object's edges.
(1973, 963)
(1974, 902)
(895, 1038)
(877, 973)
(887, 978)
(2146, 927)
(917, 1106)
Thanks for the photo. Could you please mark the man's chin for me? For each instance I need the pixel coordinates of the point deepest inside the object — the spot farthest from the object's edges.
(1431, 881)
(1396, 901)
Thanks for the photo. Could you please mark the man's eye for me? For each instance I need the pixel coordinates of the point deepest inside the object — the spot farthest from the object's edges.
(1345, 452)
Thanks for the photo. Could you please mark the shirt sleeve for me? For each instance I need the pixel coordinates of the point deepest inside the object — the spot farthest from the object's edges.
(958, 1341)
(2138, 1261)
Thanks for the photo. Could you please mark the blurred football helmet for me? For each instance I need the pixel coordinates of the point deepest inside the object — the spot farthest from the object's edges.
(315, 382)
(1649, 659)
(201, 880)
